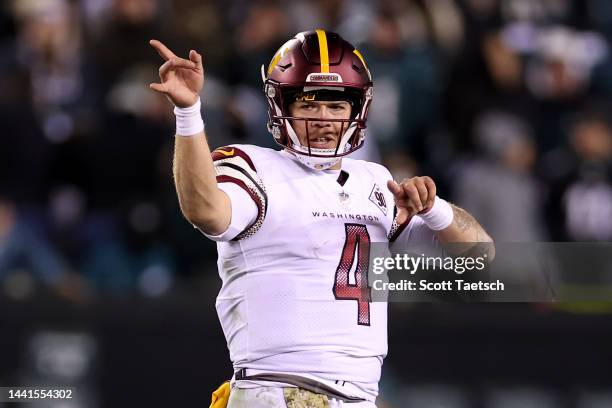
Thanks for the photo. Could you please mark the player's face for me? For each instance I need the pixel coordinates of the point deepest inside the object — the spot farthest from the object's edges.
(321, 134)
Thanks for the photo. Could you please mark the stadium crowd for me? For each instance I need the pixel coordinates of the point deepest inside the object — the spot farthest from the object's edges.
(504, 96)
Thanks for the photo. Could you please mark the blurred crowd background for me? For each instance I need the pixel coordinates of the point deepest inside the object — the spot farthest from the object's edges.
(505, 103)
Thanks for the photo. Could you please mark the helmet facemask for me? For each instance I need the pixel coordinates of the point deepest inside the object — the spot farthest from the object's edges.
(281, 123)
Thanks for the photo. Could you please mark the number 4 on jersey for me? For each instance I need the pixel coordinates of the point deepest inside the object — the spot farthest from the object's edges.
(357, 242)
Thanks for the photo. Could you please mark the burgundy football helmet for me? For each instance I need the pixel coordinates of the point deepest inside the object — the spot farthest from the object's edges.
(317, 65)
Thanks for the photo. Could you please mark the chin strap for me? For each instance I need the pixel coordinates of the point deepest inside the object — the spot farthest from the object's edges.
(316, 163)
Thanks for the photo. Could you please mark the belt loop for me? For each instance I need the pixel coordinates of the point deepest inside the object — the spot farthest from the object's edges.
(240, 374)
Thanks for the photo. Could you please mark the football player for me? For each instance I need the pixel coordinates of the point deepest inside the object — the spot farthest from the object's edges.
(294, 225)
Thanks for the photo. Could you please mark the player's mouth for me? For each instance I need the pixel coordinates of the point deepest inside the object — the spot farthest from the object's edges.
(323, 142)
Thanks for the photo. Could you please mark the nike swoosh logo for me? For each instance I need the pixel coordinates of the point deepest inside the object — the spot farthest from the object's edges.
(223, 152)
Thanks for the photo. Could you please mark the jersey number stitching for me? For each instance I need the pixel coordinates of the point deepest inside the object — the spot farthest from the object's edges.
(357, 241)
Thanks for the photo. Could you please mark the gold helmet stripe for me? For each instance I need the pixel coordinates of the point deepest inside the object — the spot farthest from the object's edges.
(323, 51)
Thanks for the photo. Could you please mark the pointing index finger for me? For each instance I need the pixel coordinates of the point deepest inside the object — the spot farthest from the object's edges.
(394, 187)
(195, 57)
(162, 50)
(431, 187)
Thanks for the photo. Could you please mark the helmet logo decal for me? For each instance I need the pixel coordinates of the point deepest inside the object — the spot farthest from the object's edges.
(317, 77)
(277, 57)
(274, 61)
(358, 54)
(323, 51)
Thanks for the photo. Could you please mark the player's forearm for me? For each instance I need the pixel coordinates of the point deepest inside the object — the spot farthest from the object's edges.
(464, 229)
(201, 201)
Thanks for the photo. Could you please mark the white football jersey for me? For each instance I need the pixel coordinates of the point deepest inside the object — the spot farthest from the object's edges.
(295, 296)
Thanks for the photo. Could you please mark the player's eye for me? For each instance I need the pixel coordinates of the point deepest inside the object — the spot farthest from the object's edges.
(338, 107)
(307, 106)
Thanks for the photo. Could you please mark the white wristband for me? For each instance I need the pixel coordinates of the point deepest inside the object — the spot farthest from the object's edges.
(439, 216)
(189, 120)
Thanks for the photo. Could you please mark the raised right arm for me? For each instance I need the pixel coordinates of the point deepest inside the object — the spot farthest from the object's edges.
(201, 201)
